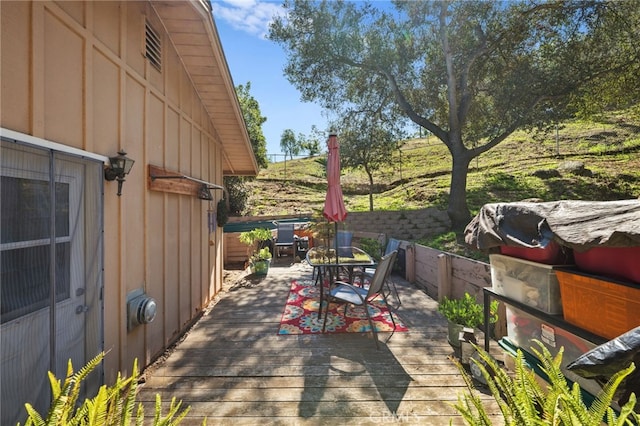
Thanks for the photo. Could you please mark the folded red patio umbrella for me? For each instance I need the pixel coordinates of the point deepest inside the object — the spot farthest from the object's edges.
(334, 209)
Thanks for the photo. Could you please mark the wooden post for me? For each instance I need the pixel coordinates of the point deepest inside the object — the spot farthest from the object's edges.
(444, 276)
(410, 259)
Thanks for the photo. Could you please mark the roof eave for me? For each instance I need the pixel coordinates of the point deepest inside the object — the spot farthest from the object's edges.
(193, 33)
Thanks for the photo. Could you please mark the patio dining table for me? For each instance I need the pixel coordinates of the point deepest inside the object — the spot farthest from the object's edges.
(327, 265)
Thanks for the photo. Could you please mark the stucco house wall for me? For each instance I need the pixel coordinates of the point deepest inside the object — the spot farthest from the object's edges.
(75, 73)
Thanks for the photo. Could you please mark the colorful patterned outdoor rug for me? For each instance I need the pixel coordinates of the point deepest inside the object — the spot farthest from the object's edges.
(300, 314)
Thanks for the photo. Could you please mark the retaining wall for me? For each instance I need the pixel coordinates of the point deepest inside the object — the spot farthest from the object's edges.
(408, 225)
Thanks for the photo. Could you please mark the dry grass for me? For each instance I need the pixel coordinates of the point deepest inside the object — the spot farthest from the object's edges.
(524, 166)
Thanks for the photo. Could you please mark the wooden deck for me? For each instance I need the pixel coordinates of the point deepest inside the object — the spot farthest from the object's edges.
(233, 368)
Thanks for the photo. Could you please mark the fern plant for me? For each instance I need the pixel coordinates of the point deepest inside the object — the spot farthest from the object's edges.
(112, 405)
(523, 401)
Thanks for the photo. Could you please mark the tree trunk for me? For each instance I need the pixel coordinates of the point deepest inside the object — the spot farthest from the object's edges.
(458, 209)
(370, 191)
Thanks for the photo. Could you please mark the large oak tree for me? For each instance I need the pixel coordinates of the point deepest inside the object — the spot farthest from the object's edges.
(470, 72)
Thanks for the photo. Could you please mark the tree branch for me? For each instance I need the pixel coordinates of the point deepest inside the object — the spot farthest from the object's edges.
(401, 100)
(465, 99)
(451, 81)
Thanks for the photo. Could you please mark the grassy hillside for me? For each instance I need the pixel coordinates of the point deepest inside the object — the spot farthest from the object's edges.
(524, 166)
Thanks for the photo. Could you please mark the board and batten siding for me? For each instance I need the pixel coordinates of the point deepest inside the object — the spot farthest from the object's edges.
(75, 73)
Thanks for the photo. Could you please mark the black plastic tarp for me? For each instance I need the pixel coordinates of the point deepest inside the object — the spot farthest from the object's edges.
(602, 362)
(579, 225)
(607, 359)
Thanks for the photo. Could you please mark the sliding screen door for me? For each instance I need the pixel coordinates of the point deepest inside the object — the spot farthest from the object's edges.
(50, 271)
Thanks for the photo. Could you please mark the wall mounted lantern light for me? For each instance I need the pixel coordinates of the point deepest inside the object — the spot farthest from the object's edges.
(119, 166)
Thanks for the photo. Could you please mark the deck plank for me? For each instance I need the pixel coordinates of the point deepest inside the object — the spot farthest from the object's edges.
(232, 368)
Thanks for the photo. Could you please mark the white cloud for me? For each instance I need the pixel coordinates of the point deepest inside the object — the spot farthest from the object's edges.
(251, 16)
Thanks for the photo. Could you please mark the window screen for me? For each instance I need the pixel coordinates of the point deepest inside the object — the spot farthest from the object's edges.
(25, 236)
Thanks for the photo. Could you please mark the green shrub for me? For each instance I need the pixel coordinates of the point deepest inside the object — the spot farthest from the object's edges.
(467, 311)
(523, 401)
(113, 405)
(253, 239)
(450, 242)
(222, 212)
(238, 194)
(372, 247)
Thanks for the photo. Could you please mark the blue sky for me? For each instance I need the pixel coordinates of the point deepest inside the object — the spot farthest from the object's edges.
(242, 26)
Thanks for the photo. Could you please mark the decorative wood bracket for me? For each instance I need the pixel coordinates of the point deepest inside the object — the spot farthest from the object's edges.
(164, 180)
(170, 182)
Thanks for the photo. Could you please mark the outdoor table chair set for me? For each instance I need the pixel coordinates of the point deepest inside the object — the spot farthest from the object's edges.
(356, 289)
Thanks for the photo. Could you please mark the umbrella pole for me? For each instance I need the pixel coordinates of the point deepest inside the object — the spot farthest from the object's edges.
(335, 239)
(328, 240)
(335, 243)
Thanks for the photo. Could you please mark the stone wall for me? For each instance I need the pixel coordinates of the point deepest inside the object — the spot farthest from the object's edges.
(407, 225)
(403, 225)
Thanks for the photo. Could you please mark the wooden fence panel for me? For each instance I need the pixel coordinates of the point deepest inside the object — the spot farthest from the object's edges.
(466, 275)
(469, 276)
(234, 250)
(426, 269)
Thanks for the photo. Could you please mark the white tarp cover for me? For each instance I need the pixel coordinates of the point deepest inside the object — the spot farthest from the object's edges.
(579, 225)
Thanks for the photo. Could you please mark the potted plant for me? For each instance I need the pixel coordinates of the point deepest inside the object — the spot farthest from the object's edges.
(465, 312)
(259, 257)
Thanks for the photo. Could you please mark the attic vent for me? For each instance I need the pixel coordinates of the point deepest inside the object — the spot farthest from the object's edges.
(153, 47)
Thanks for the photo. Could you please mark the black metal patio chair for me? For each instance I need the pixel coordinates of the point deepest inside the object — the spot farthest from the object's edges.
(285, 238)
(347, 293)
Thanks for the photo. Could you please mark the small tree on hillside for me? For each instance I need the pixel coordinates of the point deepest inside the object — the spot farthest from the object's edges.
(311, 143)
(367, 143)
(289, 144)
(312, 146)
